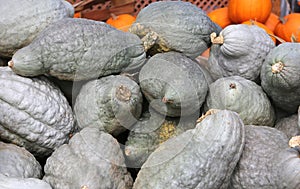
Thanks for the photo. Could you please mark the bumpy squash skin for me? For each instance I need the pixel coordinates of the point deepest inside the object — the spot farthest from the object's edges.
(203, 157)
(21, 22)
(242, 96)
(185, 30)
(242, 52)
(18, 162)
(149, 132)
(255, 167)
(79, 49)
(92, 159)
(111, 103)
(22, 183)
(282, 84)
(173, 84)
(289, 125)
(34, 113)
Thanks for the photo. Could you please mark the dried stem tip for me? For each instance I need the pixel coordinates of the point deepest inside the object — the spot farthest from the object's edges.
(208, 113)
(216, 39)
(123, 93)
(11, 64)
(277, 67)
(294, 141)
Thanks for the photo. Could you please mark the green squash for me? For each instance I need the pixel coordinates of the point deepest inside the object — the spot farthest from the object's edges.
(34, 113)
(174, 84)
(280, 78)
(79, 49)
(289, 125)
(174, 26)
(239, 50)
(91, 159)
(22, 21)
(242, 96)
(22, 183)
(112, 103)
(204, 157)
(17, 162)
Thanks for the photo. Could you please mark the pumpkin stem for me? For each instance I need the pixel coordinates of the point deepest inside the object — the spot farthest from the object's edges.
(114, 17)
(216, 39)
(294, 141)
(208, 113)
(277, 67)
(123, 93)
(278, 38)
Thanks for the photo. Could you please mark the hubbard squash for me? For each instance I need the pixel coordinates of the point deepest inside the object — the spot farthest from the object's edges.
(263, 26)
(22, 183)
(289, 125)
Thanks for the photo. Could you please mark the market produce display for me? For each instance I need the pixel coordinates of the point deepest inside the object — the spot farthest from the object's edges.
(175, 97)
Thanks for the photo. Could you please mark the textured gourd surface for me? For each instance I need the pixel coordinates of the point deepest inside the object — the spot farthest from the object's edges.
(289, 125)
(283, 86)
(242, 96)
(22, 21)
(92, 159)
(242, 52)
(37, 116)
(255, 167)
(111, 103)
(149, 132)
(203, 157)
(79, 49)
(18, 162)
(173, 84)
(185, 30)
(22, 183)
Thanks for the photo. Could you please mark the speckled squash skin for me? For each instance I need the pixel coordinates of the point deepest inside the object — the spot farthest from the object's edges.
(149, 132)
(289, 125)
(37, 116)
(185, 30)
(21, 22)
(79, 49)
(17, 162)
(242, 96)
(111, 103)
(241, 52)
(255, 167)
(92, 159)
(203, 157)
(174, 84)
(280, 78)
(22, 183)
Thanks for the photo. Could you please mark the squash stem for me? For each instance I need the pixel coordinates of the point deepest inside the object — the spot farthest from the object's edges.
(277, 67)
(123, 93)
(216, 39)
(208, 113)
(294, 141)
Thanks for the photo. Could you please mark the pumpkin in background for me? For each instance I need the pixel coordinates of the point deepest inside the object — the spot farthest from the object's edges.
(263, 26)
(289, 28)
(272, 21)
(242, 10)
(121, 22)
(220, 17)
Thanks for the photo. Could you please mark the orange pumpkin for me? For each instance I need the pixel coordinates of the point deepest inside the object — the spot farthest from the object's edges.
(272, 21)
(243, 10)
(289, 28)
(121, 22)
(261, 25)
(220, 17)
(206, 53)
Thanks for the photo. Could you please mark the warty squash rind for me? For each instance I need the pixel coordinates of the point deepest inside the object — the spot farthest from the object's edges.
(203, 157)
(243, 96)
(174, 84)
(34, 113)
(22, 21)
(111, 103)
(92, 158)
(22, 183)
(17, 162)
(289, 125)
(174, 26)
(79, 49)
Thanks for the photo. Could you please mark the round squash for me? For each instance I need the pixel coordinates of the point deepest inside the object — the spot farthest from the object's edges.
(263, 26)
(220, 16)
(289, 28)
(121, 22)
(243, 10)
(22, 183)
(289, 125)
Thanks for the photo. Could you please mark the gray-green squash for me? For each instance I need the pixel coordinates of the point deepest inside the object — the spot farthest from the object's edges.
(239, 50)
(289, 125)
(22, 21)
(17, 162)
(112, 103)
(174, 26)
(91, 159)
(204, 157)
(22, 183)
(79, 49)
(151, 130)
(34, 113)
(242, 96)
(255, 167)
(280, 76)
(174, 84)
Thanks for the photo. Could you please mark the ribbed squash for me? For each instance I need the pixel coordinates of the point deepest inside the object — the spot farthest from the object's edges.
(263, 26)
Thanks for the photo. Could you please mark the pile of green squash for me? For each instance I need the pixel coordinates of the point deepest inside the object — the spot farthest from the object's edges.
(84, 105)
